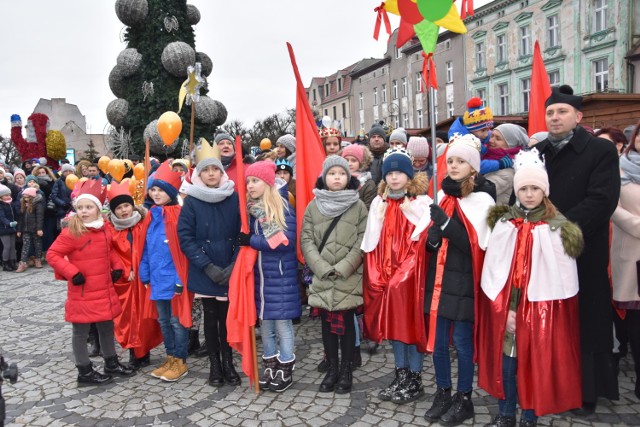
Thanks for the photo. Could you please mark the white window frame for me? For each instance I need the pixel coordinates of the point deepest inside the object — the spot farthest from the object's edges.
(482, 94)
(501, 48)
(327, 89)
(525, 40)
(394, 89)
(553, 31)
(375, 96)
(383, 93)
(361, 101)
(405, 120)
(600, 12)
(405, 87)
(525, 89)
(480, 56)
(449, 68)
(420, 119)
(339, 84)
(419, 82)
(449, 109)
(600, 69)
(554, 78)
(503, 98)
(398, 52)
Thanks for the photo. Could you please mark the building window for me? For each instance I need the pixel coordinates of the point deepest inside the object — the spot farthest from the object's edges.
(344, 110)
(361, 101)
(480, 62)
(525, 41)
(326, 112)
(449, 109)
(525, 89)
(384, 93)
(601, 74)
(382, 71)
(420, 120)
(554, 78)
(326, 90)
(405, 87)
(405, 121)
(600, 15)
(501, 42)
(481, 93)
(447, 44)
(419, 82)
(524, 4)
(375, 96)
(394, 89)
(314, 95)
(339, 85)
(398, 53)
(503, 99)
(449, 66)
(552, 31)
(335, 113)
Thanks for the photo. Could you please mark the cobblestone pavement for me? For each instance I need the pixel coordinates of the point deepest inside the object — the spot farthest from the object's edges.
(34, 334)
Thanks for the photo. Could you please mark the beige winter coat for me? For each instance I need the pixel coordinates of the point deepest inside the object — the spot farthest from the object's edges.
(503, 179)
(625, 247)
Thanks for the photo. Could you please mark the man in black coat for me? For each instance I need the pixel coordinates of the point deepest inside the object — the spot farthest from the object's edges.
(584, 179)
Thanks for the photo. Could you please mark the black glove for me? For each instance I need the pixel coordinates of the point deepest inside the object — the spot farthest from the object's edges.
(505, 162)
(438, 216)
(434, 236)
(227, 271)
(214, 273)
(115, 275)
(244, 239)
(78, 279)
(178, 289)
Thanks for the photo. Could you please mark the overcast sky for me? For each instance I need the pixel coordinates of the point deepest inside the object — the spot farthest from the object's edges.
(66, 49)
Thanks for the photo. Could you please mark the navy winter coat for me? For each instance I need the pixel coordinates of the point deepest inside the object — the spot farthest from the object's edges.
(209, 234)
(276, 272)
(61, 196)
(8, 214)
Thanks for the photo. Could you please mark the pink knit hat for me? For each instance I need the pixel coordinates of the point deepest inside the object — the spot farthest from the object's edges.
(29, 192)
(263, 170)
(466, 147)
(354, 150)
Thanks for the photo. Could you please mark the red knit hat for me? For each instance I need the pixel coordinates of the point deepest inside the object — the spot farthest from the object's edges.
(263, 170)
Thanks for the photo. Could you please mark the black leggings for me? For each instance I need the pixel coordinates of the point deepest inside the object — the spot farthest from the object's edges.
(347, 342)
(215, 325)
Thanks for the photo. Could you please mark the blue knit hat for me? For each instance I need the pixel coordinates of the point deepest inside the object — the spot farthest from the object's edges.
(397, 159)
(30, 178)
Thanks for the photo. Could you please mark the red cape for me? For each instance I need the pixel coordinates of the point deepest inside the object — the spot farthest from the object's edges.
(131, 329)
(547, 343)
(181, 304)
(394, 281)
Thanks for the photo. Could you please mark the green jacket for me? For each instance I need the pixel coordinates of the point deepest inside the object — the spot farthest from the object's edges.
(337, 271)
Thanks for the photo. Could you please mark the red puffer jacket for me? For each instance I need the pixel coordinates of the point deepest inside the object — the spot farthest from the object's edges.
(92, 255)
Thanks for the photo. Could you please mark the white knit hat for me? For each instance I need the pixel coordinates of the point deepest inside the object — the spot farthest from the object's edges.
(466, 147)
(530, 170)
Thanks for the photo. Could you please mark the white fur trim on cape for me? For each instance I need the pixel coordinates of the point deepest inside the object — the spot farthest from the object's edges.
(498, 259)
(476, 208)
(416, 211)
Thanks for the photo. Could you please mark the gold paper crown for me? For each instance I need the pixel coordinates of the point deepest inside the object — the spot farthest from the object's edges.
(206, 151)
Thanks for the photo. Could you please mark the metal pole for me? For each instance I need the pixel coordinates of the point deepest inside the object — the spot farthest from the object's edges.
(434, 156)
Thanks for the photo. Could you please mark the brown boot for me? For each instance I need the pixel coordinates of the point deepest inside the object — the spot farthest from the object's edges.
(22, 267)
(38, 263)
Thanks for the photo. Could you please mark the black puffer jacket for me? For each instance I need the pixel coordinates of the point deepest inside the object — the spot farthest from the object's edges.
(456, 298)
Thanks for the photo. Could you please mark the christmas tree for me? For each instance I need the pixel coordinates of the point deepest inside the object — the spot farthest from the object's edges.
(150, 71)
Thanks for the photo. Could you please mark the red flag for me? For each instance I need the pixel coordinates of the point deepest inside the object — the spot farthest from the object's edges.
(466, 8)
(540, 91)
(241, 318)
(309, 151)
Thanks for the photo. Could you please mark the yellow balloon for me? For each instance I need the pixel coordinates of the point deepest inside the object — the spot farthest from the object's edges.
(116, 169)
(70, 181)
(169, 127)
(138, 171)
(103, 164)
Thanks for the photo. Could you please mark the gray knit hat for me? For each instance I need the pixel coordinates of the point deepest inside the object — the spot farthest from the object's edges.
(377, 130)
(222, 136)
(67, 167)
(398, 135)
(418, 146)
(334, 160)
(514, 135)
(4, 190)
(289, 142)
(206, 162)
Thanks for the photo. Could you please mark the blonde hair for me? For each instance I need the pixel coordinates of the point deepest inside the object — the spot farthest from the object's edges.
(76, 226)
(81, 163)
(49, 173)
(274, 206)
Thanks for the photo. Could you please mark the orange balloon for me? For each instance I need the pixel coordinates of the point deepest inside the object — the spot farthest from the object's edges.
(169, 127)
(116, 169)
(103, 164)
(83, 179)
(132, 184)
(138, 171)
(128, 164)
(70, 181)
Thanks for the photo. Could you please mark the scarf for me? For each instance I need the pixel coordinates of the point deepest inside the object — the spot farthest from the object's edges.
(379, 151)
(451, 187)
(125, 223)
(396, 195)
(630, 165)
(226, 160)
(45, 178)
(8, 201)
(272, 231)
(200, 191)
(335, 203)
(559, 142)
(499, 153)
(97, 224)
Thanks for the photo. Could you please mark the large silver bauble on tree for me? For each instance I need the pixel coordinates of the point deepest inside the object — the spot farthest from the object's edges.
(117, 112)
(176, 57)
(210, 112)
(129, 61)
(205, 62)
(116, 77)
(132, 12)
(156, 145)
(193, 14)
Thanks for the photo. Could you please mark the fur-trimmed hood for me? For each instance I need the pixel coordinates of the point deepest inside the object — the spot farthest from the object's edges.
(418, 186)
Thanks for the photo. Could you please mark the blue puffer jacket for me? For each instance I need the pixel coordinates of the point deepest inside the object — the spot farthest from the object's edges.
(209, 234)
(61, 196)
(276, 271)
(8, 214)
(156, 266)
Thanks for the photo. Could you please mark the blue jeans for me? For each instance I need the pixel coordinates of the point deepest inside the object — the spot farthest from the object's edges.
(463, 342)
(507, 406)
(406, 356)
(271, 331)
(175, 336)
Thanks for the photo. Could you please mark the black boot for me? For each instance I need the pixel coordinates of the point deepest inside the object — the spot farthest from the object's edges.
(331, 377)
(216, 379)
(93, 341)
(203, 351)
(194, 341)
(410, 390)
(270, 366)
(525, 423)
(231, 377)
(323, 366)
(6, 266)
(137, 363)
(345, 381)
(357, 359)
(401, 376)
(112, 366)
(502, 421)
(87, 376)
(283, 378)
(13, 264)
(461, 410)
(440, 406)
